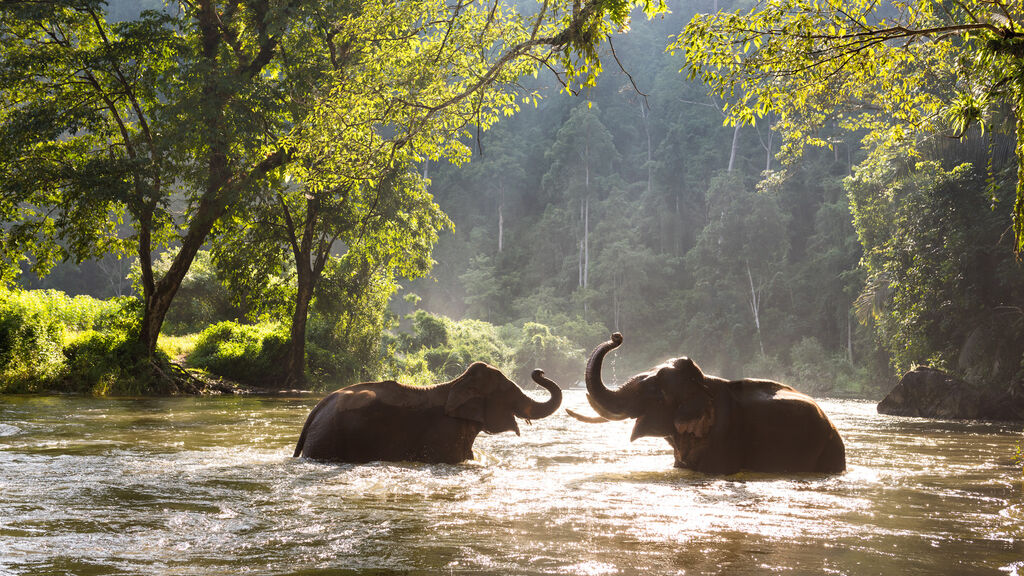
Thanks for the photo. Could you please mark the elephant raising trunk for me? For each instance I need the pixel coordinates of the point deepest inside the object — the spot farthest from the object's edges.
(393, 422)
(610, 404)
(530, 409)
(719, 426)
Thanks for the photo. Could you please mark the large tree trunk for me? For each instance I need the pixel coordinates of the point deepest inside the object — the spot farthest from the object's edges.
(311, 256)
(501, 220)
(580, 259)
(645, 116)
(616, 304)
(159, 294)
(586, 241)
(849, 338)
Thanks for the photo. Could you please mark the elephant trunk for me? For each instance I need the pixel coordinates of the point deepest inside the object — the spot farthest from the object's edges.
(612, 404)
(530, 409)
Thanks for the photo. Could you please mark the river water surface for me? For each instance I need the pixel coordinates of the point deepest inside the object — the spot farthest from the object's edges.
(207, 486)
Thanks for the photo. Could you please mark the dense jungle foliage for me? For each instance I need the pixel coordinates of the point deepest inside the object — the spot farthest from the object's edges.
(628, 206)
(644, 214)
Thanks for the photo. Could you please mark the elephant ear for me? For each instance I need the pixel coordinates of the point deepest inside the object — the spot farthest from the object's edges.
(475, 396)
(660, 399)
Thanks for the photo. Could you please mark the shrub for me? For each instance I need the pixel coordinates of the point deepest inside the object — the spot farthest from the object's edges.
(112, 363)
(49, 340)
(250, 354)
(819, 372)
(514, 351)
(539, 347)
(31, 338)
(428, 331)
(479, 341)
(766, 366)
(347, 339)
(810, 365)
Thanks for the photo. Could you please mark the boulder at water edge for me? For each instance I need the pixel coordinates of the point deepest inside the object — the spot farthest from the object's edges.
(930, 393)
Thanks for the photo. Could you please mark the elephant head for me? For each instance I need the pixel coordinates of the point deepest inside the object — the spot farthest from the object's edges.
(669, 400)
(484, 395)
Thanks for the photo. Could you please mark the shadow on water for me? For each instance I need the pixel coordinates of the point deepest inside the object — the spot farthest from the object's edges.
(207, 486)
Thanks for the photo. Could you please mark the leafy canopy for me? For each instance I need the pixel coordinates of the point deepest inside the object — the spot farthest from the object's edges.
(903, 71)
(173, 121)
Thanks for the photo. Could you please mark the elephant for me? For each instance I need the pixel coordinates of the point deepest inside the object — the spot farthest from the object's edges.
(388, 421)
(718, 426)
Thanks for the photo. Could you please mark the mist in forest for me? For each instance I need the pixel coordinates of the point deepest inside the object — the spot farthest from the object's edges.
(631, 207)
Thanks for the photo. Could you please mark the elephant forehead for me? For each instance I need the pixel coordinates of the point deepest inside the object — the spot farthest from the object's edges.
(641, 376)
(666, 365)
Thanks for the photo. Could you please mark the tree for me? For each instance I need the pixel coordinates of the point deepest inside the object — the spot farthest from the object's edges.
(482, 288)
(628, 276)
(940, 290)
(179, 118)
(583, 157)
(903, 72)
(503, 162)
(737, 260)
(388, 227)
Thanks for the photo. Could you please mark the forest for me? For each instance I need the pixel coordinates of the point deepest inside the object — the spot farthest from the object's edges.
(524, 287)
(280, 241)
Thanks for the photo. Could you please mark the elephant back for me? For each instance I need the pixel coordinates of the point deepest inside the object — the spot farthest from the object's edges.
(758, 390)
(386, 393)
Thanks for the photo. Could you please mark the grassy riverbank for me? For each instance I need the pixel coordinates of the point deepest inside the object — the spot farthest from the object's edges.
(51, 342)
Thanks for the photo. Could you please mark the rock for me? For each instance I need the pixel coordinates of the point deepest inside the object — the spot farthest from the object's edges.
(930, 393)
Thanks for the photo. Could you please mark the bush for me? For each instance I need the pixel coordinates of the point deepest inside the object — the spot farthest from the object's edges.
(538, 347)
(811, 365)
(479, 341)
(111, 364)
(441, 349)
(346, 336)
(78, 313)
(49, 340)
(31, 338)
(250, 354)
(767, 367)
(428, 331)
(456, 345)
(818, 372)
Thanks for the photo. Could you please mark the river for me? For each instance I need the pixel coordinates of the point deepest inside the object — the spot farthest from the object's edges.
(204, 486)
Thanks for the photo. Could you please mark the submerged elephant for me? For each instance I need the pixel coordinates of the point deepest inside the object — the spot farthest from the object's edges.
(719, 426)
(393, 422)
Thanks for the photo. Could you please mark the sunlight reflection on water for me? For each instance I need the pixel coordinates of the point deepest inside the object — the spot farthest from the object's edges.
(207, 486)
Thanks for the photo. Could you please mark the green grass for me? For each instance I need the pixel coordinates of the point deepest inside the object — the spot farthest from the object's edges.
(178, 348)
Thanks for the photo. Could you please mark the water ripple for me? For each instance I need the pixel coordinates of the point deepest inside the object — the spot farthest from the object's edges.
(207, 486)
